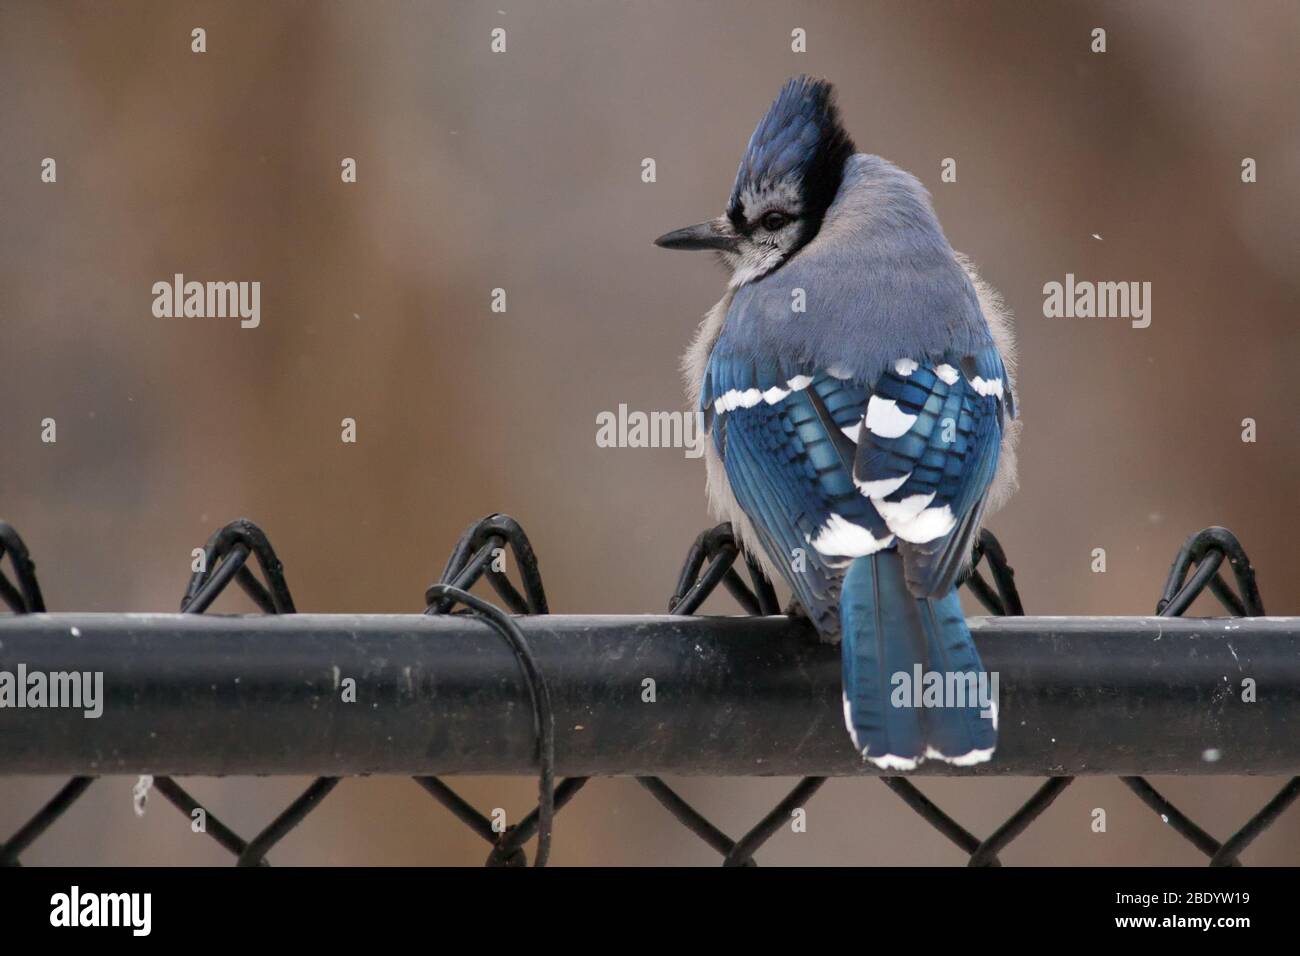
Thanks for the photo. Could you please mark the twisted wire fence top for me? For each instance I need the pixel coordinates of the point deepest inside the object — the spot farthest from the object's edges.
(711, 561)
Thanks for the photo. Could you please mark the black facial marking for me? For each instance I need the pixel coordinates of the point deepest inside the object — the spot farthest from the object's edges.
(800, 140)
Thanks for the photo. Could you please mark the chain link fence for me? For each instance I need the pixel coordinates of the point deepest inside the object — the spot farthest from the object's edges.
(714, 560)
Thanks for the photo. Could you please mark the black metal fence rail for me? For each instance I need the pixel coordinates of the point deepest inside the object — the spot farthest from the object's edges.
(471, 687)
(214, 695)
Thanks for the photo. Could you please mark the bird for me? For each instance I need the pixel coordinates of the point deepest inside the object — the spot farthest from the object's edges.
(856, 383)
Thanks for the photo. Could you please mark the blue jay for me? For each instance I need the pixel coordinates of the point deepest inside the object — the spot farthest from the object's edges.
(854, 379)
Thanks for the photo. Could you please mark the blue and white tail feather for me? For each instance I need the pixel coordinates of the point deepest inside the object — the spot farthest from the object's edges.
(890, 638)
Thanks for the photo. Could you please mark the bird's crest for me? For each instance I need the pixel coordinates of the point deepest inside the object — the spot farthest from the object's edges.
(800, 144)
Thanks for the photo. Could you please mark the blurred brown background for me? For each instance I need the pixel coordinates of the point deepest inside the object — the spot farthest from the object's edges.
(522, 171)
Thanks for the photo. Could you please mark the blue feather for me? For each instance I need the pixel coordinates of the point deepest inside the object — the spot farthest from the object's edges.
(888, 634)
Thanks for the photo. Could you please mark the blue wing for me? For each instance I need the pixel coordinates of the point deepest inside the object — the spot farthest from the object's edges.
(830, 468)
(778, 432)
(926, 455)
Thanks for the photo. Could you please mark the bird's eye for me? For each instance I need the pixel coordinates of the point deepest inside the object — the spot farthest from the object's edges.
(773, 221)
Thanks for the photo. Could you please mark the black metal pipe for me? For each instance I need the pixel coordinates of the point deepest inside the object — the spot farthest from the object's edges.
(214, 695)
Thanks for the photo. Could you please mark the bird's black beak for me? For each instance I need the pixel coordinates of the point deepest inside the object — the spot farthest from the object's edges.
(713, 234)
